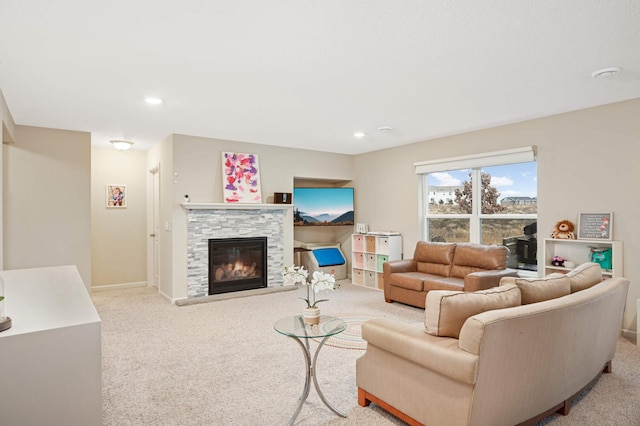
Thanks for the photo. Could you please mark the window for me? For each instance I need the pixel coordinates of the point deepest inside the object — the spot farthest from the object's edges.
(493, 201)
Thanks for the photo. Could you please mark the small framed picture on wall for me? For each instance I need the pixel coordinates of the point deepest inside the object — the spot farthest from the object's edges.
(116, 196)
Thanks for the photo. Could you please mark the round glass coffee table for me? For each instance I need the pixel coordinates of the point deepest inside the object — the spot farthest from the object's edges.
(295, 328)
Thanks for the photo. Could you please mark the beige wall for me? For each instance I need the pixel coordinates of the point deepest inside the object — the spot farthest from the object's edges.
(47, 200)
(8, 125)
(196, 170)
(7, 129)
(118, 236)
(587, 162)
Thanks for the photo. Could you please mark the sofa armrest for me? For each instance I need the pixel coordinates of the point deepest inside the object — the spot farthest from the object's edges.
(393, 266)
(404, 265)
(483, 280)
(411, 342)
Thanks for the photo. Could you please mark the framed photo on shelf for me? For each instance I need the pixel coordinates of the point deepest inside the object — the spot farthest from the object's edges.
(595, 226)
(116, 196)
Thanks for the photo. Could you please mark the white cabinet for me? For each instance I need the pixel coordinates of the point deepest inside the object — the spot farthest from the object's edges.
(51, 357)
(579, 251)
(369, 252)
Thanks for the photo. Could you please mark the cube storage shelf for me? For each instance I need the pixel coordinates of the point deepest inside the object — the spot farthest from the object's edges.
(579, 251)
(369, 252)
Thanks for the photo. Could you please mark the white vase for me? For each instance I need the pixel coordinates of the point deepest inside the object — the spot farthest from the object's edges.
(311, 316)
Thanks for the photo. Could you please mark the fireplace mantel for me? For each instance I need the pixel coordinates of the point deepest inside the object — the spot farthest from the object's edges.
(236, 206)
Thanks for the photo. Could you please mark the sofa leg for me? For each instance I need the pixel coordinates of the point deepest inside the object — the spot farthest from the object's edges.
(362, 398)
(388, 300)
(565, 407)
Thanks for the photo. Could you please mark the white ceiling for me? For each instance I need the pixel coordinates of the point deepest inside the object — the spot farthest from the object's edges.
(310, 73)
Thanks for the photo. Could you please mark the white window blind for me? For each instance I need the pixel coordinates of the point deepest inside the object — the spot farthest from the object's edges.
(488, 159)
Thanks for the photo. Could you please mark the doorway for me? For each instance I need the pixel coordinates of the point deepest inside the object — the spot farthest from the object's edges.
(153, 268)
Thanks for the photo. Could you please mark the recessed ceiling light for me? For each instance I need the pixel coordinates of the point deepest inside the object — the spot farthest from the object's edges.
(153, 101)
(358, 135)
(385, 129)
(606, 72)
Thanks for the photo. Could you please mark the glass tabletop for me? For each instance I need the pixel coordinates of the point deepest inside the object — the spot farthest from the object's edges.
(295, 327)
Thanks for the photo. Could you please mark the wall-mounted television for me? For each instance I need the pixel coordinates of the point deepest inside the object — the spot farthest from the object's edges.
(322, 206)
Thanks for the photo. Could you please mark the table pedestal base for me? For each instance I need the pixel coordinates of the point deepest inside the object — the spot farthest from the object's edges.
(311, 375)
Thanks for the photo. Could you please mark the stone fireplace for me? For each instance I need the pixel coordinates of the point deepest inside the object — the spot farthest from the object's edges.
(213, 221)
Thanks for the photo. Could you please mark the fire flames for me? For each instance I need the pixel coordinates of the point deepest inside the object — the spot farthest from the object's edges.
(235, 271)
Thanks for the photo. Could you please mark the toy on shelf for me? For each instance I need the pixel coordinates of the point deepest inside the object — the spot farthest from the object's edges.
(564, 230)
(557, 261)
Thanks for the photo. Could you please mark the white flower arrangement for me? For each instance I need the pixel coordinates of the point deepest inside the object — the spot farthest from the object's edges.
(320, 281)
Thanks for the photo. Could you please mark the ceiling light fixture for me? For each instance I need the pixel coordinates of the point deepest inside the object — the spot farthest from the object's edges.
(358, 135)
(606, 72)
(153, 101)
(121, 145)
(385, 129)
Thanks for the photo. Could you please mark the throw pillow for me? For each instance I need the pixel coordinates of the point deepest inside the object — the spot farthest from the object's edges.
(535, 290)
(584, 276)
(447, 310)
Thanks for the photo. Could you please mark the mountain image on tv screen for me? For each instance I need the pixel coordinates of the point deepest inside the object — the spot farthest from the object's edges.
(323, 206)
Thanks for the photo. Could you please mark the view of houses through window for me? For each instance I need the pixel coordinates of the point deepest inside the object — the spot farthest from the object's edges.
(506, 212)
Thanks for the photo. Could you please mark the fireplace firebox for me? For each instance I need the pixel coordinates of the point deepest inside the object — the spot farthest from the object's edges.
(237, 264)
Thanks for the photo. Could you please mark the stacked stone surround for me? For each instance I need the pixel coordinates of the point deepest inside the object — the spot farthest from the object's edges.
(205, 224)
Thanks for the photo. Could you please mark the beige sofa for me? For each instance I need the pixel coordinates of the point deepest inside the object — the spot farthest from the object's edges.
(444, 266)
(501, 366)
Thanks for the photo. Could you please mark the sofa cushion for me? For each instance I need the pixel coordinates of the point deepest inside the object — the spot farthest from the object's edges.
(408, 280)
(535, 290)
(469, 258)
(584, 276)
(434, 258)
(435, 282)
(446, 310)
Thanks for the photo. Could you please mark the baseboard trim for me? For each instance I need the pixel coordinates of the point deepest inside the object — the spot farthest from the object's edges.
(118, 286)
(167, 298)
(630, 335)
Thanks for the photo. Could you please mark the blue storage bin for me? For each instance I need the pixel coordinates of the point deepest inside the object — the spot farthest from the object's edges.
(328, 257)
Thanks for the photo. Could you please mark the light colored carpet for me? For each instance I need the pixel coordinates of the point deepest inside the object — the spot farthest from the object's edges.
(222, 363)
(351, 337)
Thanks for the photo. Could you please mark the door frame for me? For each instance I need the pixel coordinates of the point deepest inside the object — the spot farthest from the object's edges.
(154, 240)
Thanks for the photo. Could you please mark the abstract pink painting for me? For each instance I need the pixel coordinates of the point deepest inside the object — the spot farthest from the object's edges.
(240, 178)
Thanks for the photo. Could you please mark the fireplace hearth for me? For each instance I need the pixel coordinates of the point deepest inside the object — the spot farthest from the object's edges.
(237, 264)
